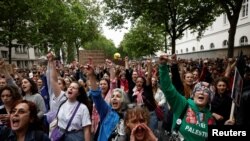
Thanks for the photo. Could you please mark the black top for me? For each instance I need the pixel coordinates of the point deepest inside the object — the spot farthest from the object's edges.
(221, 104)
(3, 110)
(131, 83)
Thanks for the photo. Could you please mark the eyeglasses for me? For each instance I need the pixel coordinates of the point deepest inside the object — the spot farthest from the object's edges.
(20, 111)
(206, 91)
(133, 105)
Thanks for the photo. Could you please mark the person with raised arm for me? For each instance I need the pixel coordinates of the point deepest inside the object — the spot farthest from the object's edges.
(56, 88)
(196, 114)
(111, 114)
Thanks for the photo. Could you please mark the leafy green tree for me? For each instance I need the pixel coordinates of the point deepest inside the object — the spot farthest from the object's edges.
(175, 15)
(102, 43)
(232, 9)
(16, 23)
(43, 23)
(142, 40)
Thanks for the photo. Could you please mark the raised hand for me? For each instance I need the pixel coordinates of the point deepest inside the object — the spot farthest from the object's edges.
(109, 63)
(163, 59)
(174, 58)
(149, 135)
(126, 59)
(50, 57)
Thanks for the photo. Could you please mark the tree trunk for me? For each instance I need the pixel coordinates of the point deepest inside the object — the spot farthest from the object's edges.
(173, 44)
(10, 48)
(166, 44)
(77, 53)
(231, 38)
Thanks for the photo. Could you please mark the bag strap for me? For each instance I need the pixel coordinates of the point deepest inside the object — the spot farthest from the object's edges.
(72, 117)
(179, 120)
(61, 105)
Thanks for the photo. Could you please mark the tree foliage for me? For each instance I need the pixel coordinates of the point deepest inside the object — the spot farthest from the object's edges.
(142, 40)
(232, 9)
(62, 24)
(101, 43)
(175, 15)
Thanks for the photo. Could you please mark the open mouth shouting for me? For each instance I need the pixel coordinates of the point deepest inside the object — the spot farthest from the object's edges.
(115, 104)
(201, 97)
(15, 122)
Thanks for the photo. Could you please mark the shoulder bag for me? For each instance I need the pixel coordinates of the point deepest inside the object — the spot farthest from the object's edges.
(57, 134)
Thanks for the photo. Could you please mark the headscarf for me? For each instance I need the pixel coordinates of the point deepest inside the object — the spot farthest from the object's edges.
(206, 87)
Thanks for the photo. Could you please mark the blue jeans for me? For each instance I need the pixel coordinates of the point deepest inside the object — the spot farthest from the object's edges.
(74, 136)
(153, 122)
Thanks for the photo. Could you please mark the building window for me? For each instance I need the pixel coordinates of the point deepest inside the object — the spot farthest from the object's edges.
(224, 18)
(225, 43)
(202, 47)
(244, 11)
(4, 54)
(26, 63)
(18, 63)
(187, 50)
(212, 45)
(181, 51)
(25, 49)
(176, 51)
(193, 48)
(243, 41)
(18, 49)
(37, 51)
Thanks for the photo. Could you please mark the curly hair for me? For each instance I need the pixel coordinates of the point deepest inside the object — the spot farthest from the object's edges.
(36, 123)
(138, 112)
(13, 91)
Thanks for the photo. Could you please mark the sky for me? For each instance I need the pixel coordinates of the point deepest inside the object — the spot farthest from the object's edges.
(115, 35)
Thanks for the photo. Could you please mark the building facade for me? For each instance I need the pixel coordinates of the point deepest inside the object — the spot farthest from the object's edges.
(214, 42)
(21, 56)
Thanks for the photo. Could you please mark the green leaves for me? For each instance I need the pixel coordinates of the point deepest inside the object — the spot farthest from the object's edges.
(175, 15)
(143, 39)
(60, 23)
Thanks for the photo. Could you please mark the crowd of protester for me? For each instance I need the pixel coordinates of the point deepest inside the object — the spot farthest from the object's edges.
(141, 100)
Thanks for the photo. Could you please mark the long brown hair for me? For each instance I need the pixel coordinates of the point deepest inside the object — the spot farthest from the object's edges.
(187, 89)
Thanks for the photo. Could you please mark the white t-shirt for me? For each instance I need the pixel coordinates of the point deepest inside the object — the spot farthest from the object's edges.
(55, 102)
(80, 120)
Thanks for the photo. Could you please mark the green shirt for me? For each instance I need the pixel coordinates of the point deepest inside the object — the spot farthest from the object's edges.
(194, 125)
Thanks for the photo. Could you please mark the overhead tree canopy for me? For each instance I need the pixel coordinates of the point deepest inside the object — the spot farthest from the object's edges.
(175, 15)
(39, 23)
(101, 43)
(142, 40)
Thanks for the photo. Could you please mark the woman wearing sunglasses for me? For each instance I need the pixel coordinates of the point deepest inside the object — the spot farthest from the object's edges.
(196, 115)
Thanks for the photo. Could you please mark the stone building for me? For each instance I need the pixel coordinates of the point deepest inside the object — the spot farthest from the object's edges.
(214, 42)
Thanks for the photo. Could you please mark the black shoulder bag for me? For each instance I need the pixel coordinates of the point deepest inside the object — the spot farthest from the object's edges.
(174, 135)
